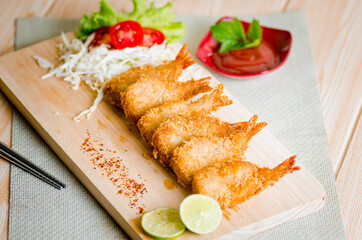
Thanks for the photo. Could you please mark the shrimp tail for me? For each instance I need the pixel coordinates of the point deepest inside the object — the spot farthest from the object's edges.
(251, 128)
(198, 86)
(217, 99)
(214, 100)
(237, 127)
(184, 57)
(270, 176)
(287, 166)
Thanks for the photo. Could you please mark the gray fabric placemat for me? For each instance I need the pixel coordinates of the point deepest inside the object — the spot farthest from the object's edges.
(287, 99)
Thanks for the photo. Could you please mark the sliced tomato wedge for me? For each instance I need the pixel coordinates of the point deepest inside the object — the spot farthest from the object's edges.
(152, 36)
(126, 34)
(101, 37)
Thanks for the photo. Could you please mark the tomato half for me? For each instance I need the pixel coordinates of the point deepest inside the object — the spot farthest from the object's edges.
(101, 37)
(152, 36)
(126, 34)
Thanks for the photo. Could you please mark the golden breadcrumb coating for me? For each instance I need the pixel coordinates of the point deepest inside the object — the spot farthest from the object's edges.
(202, 152)
(170, 70)
(179, 129)
(153, 118)
(149, 92)
(234, 182)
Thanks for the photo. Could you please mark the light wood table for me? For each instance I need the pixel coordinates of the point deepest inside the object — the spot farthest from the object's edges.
(335, 32)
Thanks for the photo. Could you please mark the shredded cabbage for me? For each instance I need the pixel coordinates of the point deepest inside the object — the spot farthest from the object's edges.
(96, 66)
(43, 62)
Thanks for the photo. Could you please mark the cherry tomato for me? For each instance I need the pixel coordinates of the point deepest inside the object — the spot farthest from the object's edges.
(152, 36)
(126, 34)
(101, 37)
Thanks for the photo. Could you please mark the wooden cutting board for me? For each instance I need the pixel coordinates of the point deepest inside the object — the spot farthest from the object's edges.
(91, 146)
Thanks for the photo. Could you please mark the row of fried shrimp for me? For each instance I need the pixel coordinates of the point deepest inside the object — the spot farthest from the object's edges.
(204, 152)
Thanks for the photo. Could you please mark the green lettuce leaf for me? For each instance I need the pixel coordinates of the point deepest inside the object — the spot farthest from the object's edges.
(147, 16)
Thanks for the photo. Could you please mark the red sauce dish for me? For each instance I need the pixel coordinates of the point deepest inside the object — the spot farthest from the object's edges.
(270, 55)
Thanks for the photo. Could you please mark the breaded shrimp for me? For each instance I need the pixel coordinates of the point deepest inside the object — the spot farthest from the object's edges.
(202, 152)
(234, 182)
(149, 122)
(149, 92)
(178, 129)
(170, 70)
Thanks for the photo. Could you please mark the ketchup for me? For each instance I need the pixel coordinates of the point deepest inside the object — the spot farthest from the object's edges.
(246, 61)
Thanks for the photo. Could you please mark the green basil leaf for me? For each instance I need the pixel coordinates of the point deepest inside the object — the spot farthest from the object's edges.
(232, 36)
(227, 46)
(239, 30)
(254, 31)
(254, 43)
(223, 31)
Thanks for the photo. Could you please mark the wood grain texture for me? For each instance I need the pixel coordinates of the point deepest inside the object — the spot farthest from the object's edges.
(5, 136)
(10, 10)
(294, 195)
(338, 56)
(5, 123)
(76, 9)
(349, 185)
(230, 7)
(334, 43)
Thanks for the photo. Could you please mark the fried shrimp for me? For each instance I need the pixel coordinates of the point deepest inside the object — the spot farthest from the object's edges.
(178, 129)
(171, 70)
(153, 118)
(202, 152)
(149, 92)
(234, 182)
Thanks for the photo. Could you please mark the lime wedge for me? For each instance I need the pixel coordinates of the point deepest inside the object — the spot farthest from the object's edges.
(163, 223)
(200, 213)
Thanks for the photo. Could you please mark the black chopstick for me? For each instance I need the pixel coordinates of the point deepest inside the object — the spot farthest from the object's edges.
(20, 161)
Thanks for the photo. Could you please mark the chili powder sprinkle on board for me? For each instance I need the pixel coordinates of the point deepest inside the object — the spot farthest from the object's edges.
(113, 168)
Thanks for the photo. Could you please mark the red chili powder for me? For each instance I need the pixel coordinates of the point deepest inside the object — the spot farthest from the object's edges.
(113, 168)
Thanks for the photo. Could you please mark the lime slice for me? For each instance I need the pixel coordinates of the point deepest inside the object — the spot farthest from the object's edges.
(163, 223)
(200, 213)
